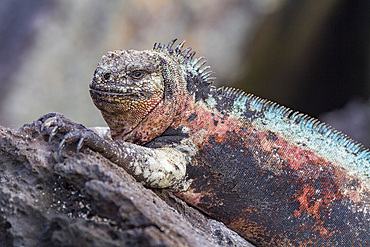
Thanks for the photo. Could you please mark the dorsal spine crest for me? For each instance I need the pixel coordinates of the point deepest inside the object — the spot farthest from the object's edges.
(196, 67)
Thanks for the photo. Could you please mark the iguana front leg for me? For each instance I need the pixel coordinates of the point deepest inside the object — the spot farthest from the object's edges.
(163, 167)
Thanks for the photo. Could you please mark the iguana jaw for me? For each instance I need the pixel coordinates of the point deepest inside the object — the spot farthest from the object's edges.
(130, 114)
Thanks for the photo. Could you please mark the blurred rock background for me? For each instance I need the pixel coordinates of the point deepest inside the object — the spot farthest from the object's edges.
(312, 56)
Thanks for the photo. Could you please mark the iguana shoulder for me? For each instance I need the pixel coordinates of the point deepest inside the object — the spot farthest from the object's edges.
(275, 176)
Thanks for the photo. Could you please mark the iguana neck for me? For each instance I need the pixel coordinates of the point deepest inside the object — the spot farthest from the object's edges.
(164, 115)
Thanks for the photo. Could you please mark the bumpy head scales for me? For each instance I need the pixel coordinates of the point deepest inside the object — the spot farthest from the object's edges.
(129, 87)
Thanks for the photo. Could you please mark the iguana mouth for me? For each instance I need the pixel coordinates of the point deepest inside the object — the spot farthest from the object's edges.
(118, 93)
(114, 100)
(115, 89)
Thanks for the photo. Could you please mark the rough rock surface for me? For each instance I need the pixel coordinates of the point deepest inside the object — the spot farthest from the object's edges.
(69, 199)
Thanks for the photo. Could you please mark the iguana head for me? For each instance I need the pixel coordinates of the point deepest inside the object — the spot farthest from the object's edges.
(140, 93)
(126, 86)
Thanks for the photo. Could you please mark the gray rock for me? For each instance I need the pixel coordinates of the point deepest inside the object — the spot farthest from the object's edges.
(69, 199)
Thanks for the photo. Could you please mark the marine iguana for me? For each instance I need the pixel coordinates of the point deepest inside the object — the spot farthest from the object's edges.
(275, 176)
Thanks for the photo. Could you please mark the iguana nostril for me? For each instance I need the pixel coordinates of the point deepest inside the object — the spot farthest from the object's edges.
(107, 75)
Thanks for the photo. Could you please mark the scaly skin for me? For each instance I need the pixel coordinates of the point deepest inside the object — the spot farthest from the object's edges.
(275, 176)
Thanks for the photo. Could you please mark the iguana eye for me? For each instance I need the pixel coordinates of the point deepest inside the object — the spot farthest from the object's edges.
(137, 74)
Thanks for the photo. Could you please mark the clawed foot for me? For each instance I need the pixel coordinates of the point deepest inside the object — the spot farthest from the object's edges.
(54, 123)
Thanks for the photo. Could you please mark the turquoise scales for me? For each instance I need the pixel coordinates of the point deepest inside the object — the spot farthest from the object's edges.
(275, 176)
(196, 68)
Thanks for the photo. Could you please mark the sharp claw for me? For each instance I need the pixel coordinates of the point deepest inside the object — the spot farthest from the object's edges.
(80, 144)
(53, 132)
(48, 122)
(61, 145)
